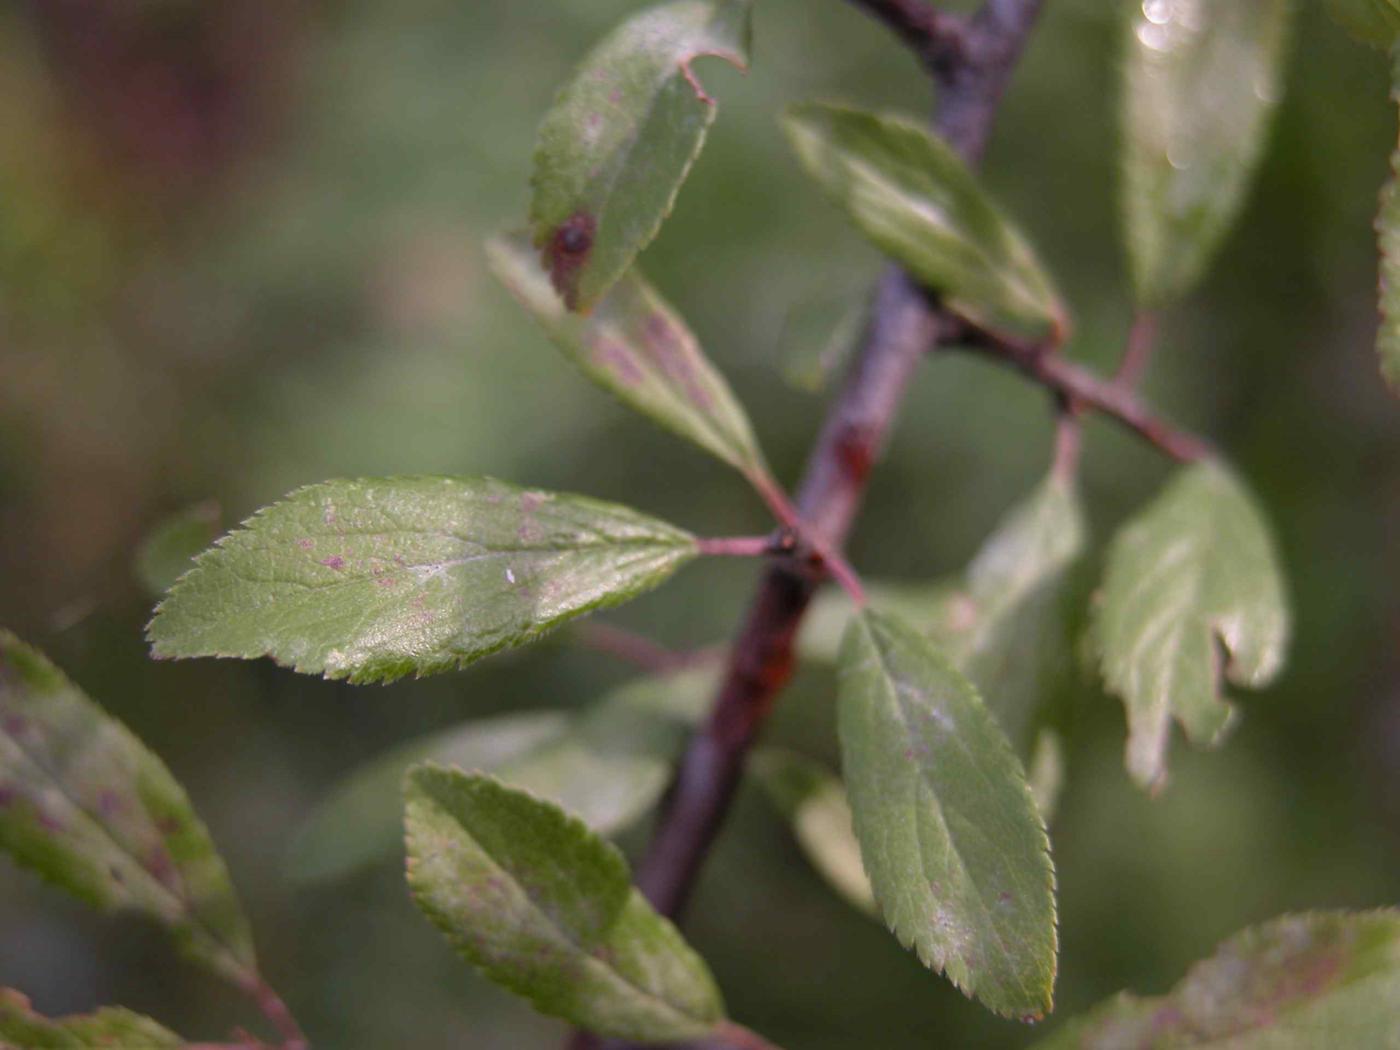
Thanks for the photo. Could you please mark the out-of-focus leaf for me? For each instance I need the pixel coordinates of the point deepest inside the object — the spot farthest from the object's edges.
(917, 201)
(634, 345)
(169, 550)
(377, 578)
(956, 852)
(1374, 22)
(86, 805)
(814, 800)
(1388, 229)
(1193, 573)
(1001, 626)
(817, 339)
(1318, 981)
(110, 1028)
(621, 138)
(606, 765)
(1201, 79)
(546, 908)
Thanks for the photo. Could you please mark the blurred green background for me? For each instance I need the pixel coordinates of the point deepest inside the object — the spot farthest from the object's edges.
(240, 251)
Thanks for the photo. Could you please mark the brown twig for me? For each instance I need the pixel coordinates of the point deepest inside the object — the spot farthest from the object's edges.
(276, 1012)
(903, 324)
(1079, 387)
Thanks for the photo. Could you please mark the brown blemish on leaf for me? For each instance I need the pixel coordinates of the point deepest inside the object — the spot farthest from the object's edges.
(335, 561)
(48, 821)
(566, 253)
(158, 863)
(306, 544)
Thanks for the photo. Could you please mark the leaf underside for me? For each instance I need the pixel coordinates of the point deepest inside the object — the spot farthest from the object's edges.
(955, 849)
(915, 199)
(606, 765)
(546, 908)
(621, 138)
(634, 345)
(86, 806)
(374, 579)
(1302, 982)
(1193, 576)
(1201, 81)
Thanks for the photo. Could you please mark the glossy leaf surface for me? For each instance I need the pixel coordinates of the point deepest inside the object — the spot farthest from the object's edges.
(1201, 80)
(377, 578)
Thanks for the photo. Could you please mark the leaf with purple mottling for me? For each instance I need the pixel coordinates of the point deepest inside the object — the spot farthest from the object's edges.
(86, 805)
(635, 346)
(1301, 982)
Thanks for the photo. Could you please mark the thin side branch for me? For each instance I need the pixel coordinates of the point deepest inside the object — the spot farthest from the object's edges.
(1082, 389)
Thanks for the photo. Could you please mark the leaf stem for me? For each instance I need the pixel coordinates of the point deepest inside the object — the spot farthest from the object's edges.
(276, 1011)
(736, 546)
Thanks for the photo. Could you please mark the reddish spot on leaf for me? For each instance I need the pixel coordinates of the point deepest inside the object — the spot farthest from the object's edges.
(7, 795)
(14, 725)
(109, 803)
(168, 825)
(567, 252)
(48, 821)
(335, 561)
(615, 96)
(306, 544)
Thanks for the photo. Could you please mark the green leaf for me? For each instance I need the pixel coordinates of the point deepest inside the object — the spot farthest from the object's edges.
(377, 578)
(1388, 229)
(1192, 574)
(86, 805)
(1374, 22)
(169, 550)
(635, 346)
(1003, 625)
(621, 138)
(546, 908)
(111, 1027)
(814, 800)
(917, 201)
(954, 847)
(606, 765)
(1201, 80)
(1330, 979)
